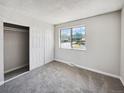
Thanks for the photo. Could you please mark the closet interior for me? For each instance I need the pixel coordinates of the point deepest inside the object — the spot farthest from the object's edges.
(16, 50)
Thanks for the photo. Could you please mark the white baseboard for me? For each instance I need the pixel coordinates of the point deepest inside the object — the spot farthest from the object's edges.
(1, 83)
(122, 80)
(90, 69)
(15, 68)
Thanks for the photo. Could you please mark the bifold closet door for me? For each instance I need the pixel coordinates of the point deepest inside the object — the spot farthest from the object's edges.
(1, 54)
(16, 49)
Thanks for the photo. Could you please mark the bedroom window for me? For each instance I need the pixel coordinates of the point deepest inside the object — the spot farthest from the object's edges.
(65, 35)
(73, 38)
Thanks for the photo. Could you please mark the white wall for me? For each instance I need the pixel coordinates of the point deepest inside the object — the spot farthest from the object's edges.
(103, 36)
(122, 45)
(41, 39)
(16, 49)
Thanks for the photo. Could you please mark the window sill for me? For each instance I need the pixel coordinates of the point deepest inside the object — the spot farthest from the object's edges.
(83, 49)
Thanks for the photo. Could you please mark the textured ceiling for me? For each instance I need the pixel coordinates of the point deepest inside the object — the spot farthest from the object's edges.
(59, 11)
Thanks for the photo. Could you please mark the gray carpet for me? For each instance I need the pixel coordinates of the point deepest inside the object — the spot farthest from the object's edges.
(56, 77)
(14, 73)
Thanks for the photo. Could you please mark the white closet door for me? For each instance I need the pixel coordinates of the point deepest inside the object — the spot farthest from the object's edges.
(1, 54)
(36, 47)
(49, 44)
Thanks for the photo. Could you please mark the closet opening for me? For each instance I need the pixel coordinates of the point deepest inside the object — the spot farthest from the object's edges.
(16, 50)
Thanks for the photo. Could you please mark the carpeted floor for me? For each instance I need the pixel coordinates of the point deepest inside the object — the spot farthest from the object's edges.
(56, 77)
(14, 73)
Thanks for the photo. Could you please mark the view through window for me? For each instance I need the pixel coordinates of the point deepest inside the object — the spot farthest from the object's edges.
(73, 38)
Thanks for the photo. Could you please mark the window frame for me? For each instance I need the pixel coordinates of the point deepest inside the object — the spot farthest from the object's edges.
(71, 38)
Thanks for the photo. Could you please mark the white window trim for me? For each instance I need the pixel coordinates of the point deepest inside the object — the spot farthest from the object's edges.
(70, 27)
